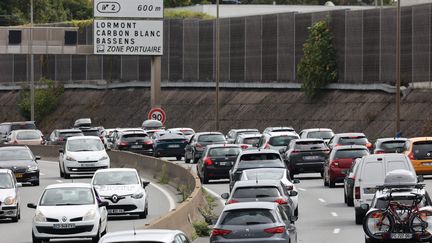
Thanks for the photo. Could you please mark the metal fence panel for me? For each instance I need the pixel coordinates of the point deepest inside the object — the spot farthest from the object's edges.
(354, 47)
(225, 49)
(63, 67)
(421, 43)
(190, 49)
(388, 45)
(237, 49)
(206, 48)
(337, 26)
(78, 67)
(253, 48)
(6, 70)
(176, 50)
(406, 44)
(302, 22)
(144, 70)
(269, 47)
(94, 67)
(111, 68)
(286, 47)
(129, 70)
(371, 40)
(20, 68)
(165, 58)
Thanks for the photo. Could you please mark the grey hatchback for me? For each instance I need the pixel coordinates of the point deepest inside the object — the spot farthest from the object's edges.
(262, 222)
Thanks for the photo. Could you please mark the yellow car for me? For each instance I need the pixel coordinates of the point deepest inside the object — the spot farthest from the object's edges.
(419, 151)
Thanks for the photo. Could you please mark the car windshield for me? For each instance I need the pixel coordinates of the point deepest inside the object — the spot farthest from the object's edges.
(251, 141)
(256, 192)
(224, 152)
(393, 146)
(281, 140)
(70, 134)
(248, 217)
(354, 140)
(261, 161)
(5, 181)
(350, 153)
(91, 132)
(15, 154)
(67, 196)
(320, 134)
(28, 135)
(310, 145)
(264, 175)
(134, 137)
(116, 178)
(211, 138)
(422, 150)
(80, 145)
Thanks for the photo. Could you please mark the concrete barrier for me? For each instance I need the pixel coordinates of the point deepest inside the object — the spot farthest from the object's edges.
(180, 218)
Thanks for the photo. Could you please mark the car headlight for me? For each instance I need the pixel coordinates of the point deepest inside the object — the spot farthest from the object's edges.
(70, 158)
(90, 215)
(32, 168)
(104, 158)
(39, 217)
(137, 195)
(10, 201)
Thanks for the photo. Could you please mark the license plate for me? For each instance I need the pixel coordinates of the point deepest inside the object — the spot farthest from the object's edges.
(19, 175)
(136, 146)
(63, 226)
(427, 164)
(369, 190)
(111, 211)
(223, 163)
(311, 157)
(401, 236)
(174, 146)
(87, 165)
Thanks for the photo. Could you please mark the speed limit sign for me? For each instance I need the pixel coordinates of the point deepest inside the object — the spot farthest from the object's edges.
(157, 114)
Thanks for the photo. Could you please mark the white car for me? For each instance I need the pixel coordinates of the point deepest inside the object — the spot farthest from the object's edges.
(69, 210)
(274, 174)
(123, 189)
(149, 235)
(187, 132)
(82, 155)
(9, 196)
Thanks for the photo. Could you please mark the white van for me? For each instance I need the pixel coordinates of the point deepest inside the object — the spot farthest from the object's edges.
(370, 173)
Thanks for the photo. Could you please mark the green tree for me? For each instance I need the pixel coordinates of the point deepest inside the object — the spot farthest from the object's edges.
(318, 67)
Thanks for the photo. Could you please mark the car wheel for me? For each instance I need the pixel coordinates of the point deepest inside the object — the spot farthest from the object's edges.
(205, 179)
(296, 211)
(187, 161)
(142, 215)
(291, 175)
(146, 211)
(370, 240)
(61, 172)
(359, 217)
(15, 219)
(332, 183)
(35, 240)
(36, 183)
(322, 173)
(345, 198)
(178, 158)
(195, 160)
(325, 182)
(155, 154)
(97, 237)
(350, 201)
(67, 175)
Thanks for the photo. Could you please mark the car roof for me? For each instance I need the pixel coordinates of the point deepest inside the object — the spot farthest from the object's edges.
(115, 170)
(14, 148)
(180, 128)
(250, 135)
(259, 151)
(317, 130)
(250, 205)
(26, 130)
(132, 132)
(382, 140)
(159, 235)
(207, 133)
(250, 183)
(224, 145)
(274, 134)
(417, 139)
(388, 156)
(69, 130)
(343, 147)
(354, 134)
(309, 140)
(65, 185)
(19, 122)
(263, 169)
(244, 130)
(83, 137)
(273, 128)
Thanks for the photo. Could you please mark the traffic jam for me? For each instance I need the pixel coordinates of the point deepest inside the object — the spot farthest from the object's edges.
(382, 181)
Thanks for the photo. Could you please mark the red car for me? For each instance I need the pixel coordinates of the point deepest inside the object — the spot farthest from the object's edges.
(340, 161)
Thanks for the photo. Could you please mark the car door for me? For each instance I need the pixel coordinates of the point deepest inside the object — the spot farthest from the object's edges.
(290, 227)
(183, 238)
(102, 211)
(188, 148)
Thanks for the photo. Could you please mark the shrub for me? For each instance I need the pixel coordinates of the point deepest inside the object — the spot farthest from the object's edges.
(163, 177)
(185, 14)
(318, 67)
(201, 228)
(46, 100)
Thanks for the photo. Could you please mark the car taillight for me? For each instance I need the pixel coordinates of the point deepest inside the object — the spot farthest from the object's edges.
(326, 151)
(15, 142)
(148, 142)
(218, 232)
(232, 201)
(198, 145)
(60, 139)
(379, 152)
(357, 192)
(334, 163)
(369, 145)
(124, 143)
(411, 155)
(275, 230)
(244, 146)
(295, 151)
(208, 161)
(267, 146)
(281, 201)
(337, 145)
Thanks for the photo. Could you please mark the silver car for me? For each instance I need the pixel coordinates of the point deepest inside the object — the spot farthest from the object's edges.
(262, 222)
(276, 140)
(149, 235)
(9, 196)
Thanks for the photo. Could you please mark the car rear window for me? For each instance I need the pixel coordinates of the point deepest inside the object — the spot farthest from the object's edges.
(354, 140)
(251, 140)
(91, 132)
(422, 150)
(134, 137)
(264, 175)
(70, 134)
(248, 217)
(28, 135)
(320, 134)
(22, 126)
(224, 152)
(393, 146)
(261, 161)
(256, 192)
(350, 153)
(310, 145)
(211, 138)
(281, 140)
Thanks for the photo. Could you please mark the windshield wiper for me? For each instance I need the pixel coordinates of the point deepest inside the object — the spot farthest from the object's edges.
(82, 150)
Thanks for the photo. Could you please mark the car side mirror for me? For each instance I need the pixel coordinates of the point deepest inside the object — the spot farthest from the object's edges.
(61, 150)
(420, 178)
(293, 193)
(145, 183)
(364, 206)
(225, 196)
(292, 218)
(31, 205)
(19, 185)
(37, 157)
(103, 204)
(295, 181)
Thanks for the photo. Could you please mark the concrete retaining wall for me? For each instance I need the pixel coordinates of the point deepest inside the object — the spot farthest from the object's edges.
(180, 218)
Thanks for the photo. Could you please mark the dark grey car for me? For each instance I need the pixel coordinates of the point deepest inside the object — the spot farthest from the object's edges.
(262, 222)
(389, 145)
(198, 143)
(59, 136)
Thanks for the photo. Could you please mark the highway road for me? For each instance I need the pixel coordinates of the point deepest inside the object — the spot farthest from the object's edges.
(21, 231)
(323, 215)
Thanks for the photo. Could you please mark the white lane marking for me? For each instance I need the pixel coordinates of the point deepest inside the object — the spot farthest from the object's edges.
(59, 181)
(336, 231)
(334, 214)
(166, 194)
(302, 189)
(217, 196)
(321, 200)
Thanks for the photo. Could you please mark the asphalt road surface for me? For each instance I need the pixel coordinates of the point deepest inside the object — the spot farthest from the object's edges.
(323, 215)
(21, 231)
